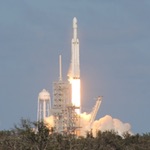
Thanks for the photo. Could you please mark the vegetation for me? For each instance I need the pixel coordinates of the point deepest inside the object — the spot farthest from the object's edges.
(36, 136)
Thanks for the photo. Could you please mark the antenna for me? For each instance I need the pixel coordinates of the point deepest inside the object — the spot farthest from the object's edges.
(60, 69)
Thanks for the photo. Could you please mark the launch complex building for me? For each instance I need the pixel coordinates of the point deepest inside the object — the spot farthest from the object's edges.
(66, 104)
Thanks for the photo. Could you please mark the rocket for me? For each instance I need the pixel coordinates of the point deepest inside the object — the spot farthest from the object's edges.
(74, 71)
(75, 64)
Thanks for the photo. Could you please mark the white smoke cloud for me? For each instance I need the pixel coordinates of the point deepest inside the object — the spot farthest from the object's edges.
(84, 123)
(107, 123)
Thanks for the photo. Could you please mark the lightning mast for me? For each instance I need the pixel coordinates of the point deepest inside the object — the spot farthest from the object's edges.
(60, 69)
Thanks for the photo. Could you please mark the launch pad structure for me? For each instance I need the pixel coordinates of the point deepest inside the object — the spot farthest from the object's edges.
(66, 120)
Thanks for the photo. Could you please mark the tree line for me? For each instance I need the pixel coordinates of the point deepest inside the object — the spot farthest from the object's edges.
(36, 136)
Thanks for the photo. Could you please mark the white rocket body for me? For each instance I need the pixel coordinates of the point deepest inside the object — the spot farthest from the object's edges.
(75, 64)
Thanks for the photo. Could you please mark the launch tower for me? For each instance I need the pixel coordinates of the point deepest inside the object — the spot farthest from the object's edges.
(66, 120)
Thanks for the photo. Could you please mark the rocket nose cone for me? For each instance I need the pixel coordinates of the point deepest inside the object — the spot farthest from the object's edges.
(75, 20)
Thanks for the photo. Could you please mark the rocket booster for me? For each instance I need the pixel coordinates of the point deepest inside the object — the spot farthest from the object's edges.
(75, 64)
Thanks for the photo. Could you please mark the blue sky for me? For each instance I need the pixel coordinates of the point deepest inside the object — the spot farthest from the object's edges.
(114, 54)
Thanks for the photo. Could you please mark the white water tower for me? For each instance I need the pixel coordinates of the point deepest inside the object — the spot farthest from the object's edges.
(43, 109)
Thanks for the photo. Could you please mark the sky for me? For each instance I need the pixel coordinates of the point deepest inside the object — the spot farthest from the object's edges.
(114, 56)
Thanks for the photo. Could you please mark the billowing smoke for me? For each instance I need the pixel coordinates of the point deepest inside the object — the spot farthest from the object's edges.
(106, 123)
(109, 123)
